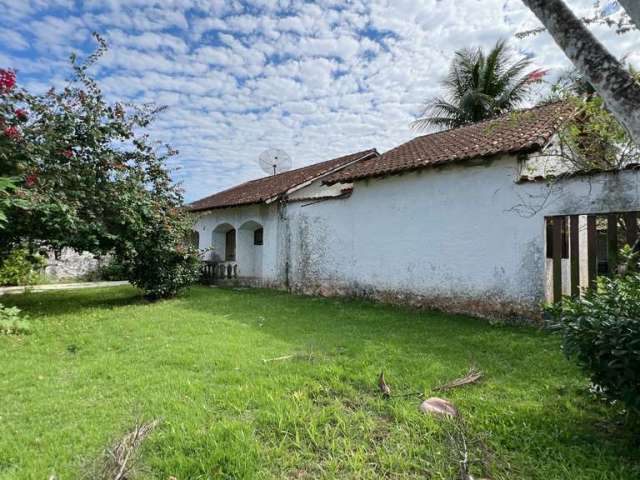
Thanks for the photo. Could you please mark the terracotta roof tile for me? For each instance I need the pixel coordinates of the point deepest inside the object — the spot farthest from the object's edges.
(521, 131)
(262, 189)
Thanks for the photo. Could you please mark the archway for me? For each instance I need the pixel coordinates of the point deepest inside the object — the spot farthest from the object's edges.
(223, 241)
(250, 244)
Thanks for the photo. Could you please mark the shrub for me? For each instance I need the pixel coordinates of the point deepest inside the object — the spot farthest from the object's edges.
(20, 268)
(162, 271)
(601, 330)
(11, 323)
(111, 271)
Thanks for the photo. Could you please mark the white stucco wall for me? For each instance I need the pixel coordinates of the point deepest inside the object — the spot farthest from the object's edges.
(253, 261)
(466, 238)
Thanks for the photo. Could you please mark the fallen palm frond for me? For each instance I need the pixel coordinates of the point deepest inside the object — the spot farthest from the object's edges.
(472, 376)
(302, 355)
(119, 461)
(467, 450)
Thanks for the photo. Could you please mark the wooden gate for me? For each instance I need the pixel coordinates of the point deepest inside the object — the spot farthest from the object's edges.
(604, 235)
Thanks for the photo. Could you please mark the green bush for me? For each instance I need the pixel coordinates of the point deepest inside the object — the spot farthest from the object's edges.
(601, 330)
(21, 268)
(11, 323)
(111, 271)
(161, 271)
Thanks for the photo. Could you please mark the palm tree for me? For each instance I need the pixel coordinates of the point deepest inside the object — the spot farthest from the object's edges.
(479, 87)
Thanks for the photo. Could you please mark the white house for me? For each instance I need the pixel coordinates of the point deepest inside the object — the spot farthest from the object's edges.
(464, 220)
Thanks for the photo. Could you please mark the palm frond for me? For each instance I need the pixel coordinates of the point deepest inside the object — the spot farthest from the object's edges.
(478, 86)
(439, 113)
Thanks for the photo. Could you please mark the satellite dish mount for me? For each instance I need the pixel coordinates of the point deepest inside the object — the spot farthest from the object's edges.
(274, 161)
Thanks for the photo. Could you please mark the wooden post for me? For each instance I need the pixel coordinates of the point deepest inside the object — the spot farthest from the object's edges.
(574, 252)
(557, 259)
(612, 242)
(591, 250)
(631, 221)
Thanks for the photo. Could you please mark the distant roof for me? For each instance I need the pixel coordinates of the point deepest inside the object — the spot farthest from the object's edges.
(262, 189)
(521, 131)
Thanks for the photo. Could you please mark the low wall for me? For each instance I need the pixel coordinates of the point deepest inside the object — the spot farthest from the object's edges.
(71, 265)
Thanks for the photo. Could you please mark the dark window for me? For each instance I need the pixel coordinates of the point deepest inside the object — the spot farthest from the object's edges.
(257, 236)
(194, 239)
(602, 254)
(565, 237)
(230, 246)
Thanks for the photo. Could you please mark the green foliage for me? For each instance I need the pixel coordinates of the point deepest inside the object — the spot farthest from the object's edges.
(11, 323)
(8, 199)
(228, 414)
(480, 86)
(592, 139)
(91, 180)
(601, 331)
(21, 268)
(111, 271)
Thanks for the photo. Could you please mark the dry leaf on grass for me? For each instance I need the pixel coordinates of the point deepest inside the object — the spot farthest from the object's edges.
(384, 388)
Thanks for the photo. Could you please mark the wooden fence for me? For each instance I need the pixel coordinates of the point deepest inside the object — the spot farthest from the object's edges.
(605, 235)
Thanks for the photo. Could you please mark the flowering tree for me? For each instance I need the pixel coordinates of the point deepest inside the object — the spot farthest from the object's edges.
(78, 174)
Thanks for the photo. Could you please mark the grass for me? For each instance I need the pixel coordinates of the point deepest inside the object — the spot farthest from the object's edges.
(100, 360)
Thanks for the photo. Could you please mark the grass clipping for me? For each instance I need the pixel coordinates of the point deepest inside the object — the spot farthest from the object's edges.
(120, 461)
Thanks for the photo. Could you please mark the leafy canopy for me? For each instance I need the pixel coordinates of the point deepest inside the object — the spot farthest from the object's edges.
(78, 173)
(592, 139)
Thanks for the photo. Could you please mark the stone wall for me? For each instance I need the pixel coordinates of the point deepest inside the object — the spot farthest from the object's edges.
(71, 265)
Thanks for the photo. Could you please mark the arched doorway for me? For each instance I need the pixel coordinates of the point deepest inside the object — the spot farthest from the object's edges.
(250, 242)
(223, 241)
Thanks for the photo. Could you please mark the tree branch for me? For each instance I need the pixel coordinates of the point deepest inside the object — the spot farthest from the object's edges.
(613, 82)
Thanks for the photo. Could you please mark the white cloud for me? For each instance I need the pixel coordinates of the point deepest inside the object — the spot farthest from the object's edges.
(318, 79)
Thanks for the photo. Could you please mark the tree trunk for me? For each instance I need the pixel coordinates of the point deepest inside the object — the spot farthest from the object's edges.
(609, 77)
(632, 7)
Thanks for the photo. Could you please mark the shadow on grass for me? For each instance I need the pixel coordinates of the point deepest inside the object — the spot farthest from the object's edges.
(334, 322)
(51, 303)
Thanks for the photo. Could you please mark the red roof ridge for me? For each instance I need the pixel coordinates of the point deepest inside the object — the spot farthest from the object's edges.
(265, 188)
(489, 137)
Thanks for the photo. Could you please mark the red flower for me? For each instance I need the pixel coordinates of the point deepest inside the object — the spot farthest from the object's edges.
(7, 80)
(537, 75)
(31, 180)
(12, 132)
(68, 153)
(21, 114)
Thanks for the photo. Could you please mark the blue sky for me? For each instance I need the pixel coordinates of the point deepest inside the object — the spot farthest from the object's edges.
(317, 79)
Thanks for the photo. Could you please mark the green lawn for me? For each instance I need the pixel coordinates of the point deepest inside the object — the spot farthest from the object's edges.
(98, 360)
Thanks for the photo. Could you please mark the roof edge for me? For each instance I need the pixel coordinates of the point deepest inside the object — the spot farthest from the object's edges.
(539, 144)
(370, 153)
(366, 154)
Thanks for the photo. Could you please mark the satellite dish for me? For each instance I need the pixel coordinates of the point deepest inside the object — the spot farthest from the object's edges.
(274, 161)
